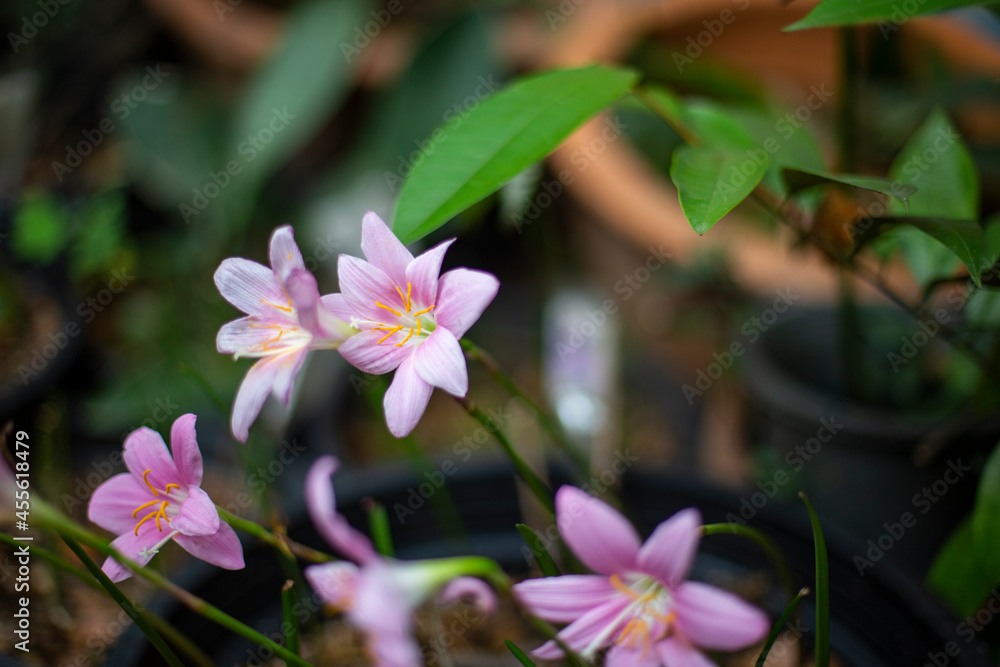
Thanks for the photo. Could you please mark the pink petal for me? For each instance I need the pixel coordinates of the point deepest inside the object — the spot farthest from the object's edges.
(406, 399)
(287, 366)
(364, 286)
(565, 598)
(439, 361)
(717, 620)
(383, 249)
(669, 551)
(677, 653)
(322, 504)
(246, 336)
(383, 613)
(338, 305)
(423, 273)
(253, 391)
(600, 537)
(113, 502)
(620, 656)
(301, 288)
(284, 253)
(187, 455)
(198, 515)
(222, 548)
(473, 591)
(145, 450)
(463, 295)
(248, 285)
(130, 545)
(581, 633)
(335, 583)
(363, 351)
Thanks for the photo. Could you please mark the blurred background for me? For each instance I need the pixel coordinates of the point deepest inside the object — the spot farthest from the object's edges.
(143, 142)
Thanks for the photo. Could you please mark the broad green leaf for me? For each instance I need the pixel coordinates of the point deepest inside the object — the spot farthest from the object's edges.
(474, 156)
(986, 516)
(711, 182)
(716, 127)
(102, 228)
(983, 309)
(547, 566)
(40, 228)
(295, 91)
(964, 238)
(786, 145)
(959, 574)
(887, 12)
(800, 179)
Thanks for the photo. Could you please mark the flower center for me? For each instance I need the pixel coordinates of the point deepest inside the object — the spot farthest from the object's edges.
(408, 321)
(649, 614)
(160, 507)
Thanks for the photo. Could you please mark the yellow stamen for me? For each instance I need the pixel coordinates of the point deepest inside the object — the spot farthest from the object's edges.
(144, 520)
(144, 478)
(425, 310)
(406, 298)
(287, 309)
(142, 507)
(418, 326)
(397, 314)
(167, 490)
(400, 344)
(162, 513)
(616, 581)
(394, 330)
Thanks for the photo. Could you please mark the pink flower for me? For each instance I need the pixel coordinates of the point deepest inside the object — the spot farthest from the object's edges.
(410, 319)
(286, 317)
(638, 603)
(159, 499)
(379, 594)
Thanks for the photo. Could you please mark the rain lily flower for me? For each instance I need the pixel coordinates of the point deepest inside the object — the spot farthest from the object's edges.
(638, 603)
(410, 319)
(286, 317)
(377, 593)
(160, 499)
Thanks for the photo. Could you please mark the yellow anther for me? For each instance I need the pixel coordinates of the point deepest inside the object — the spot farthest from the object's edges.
(144, 478)
(142, 507)
(616, 581)
(287, 309)
(167, 489)
(162, 513)
(408, 336)
(425, 310)
(407, 301)
(391, 331)
(418, 326)
(144, 520)
(394, 312)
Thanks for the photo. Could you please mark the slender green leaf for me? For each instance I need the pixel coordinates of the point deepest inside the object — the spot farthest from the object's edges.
(889, 13)
(521, 656)
(288, 604)
(711, 182)
(295, 91)
(378, 522)
(960, 572)
(822, 655)
(800, 179)
(991, 241)
(542, 556)
(473, 156)
(779, 626)
(986, 515)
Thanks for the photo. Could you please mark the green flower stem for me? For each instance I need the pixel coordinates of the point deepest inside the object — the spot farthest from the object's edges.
(378, 522)
(776, 630)
(141, 621)
(48, 517)
(169, 632)
(291, 620)
(765, 543)
(559, 436)
(539, 488)
(283, 543)
(822, 654)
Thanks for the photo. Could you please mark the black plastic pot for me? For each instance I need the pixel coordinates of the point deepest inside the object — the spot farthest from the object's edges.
(857, 462)
(879, 619)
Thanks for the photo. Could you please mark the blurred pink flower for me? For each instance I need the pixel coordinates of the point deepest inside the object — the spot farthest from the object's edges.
(160, 499)
(378, 594)
(639, 603)
(410, 319)
(286, 317)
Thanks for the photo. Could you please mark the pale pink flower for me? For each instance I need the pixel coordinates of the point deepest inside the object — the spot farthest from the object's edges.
(638, 603)
(379, 594)
(286, 317)
(410, 319)
(160, 499)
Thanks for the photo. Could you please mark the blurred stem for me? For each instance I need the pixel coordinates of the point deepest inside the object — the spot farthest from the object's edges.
(769, 547)
(847, 117)
(378, 523)
(291, 621)
(776, 630)
(550, 424)
(539, 488)
(48, 517)
(283, 543)
(115, 593)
